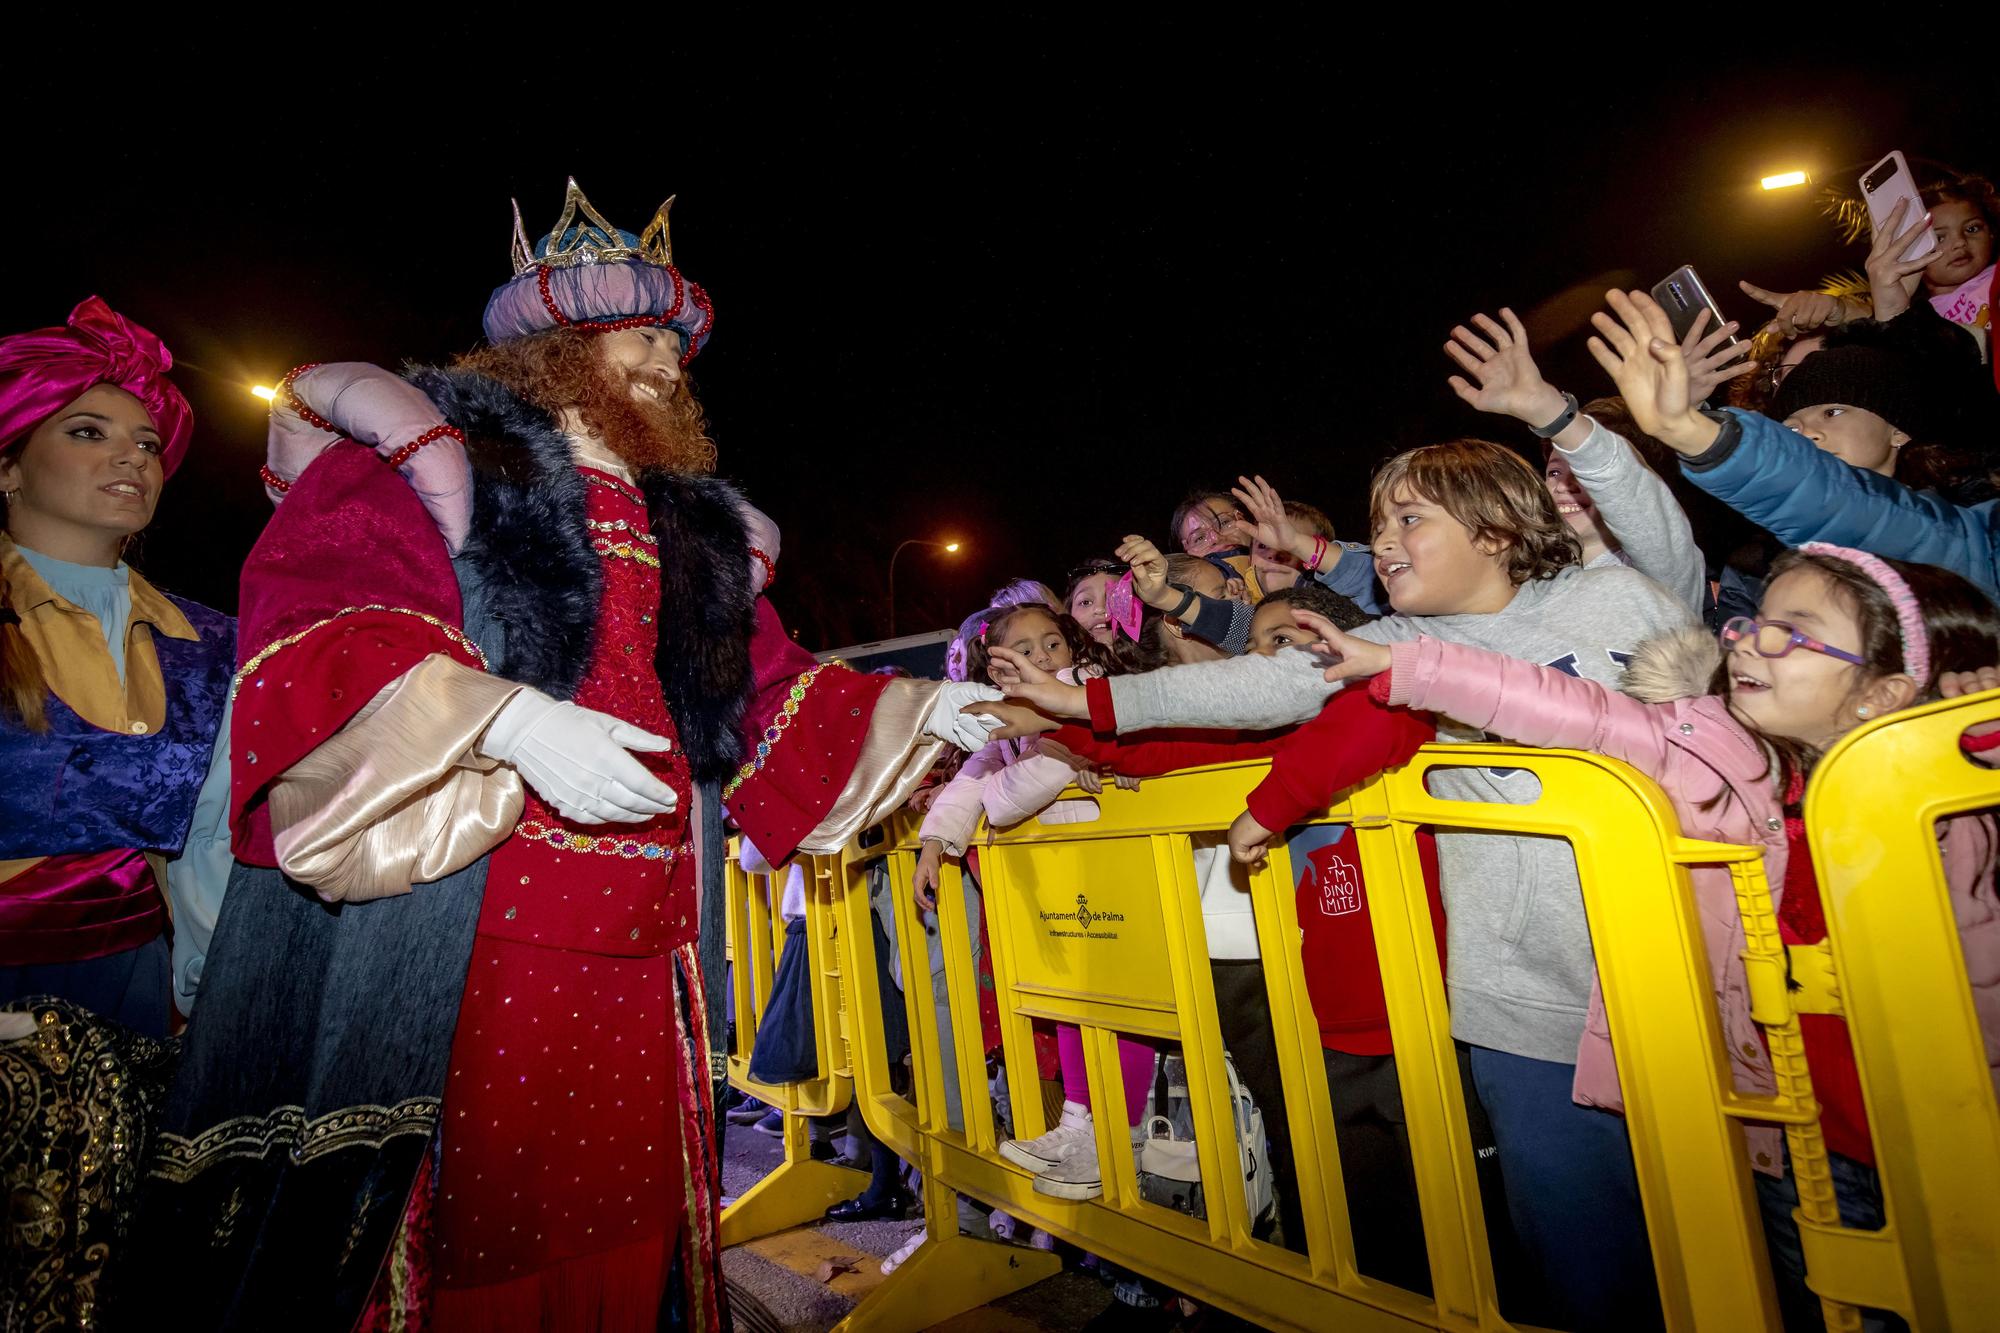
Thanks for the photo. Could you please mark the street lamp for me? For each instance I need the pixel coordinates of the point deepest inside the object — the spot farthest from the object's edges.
(264, 391)
(1785, 180)
(949, 548)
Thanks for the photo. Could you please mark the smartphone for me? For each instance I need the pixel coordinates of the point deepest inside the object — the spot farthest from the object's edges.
(1887, 182)
(1682, 295)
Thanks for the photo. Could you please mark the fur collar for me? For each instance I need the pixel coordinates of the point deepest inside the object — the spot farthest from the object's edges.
(529, 555)
(1679, 664)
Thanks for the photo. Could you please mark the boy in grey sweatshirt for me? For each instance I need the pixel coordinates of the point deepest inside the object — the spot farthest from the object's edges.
(1520, 964)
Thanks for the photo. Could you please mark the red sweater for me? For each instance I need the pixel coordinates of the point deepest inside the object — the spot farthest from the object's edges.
(1355, 737)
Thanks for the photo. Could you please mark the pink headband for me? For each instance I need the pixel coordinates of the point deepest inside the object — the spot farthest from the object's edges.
(1916, 638)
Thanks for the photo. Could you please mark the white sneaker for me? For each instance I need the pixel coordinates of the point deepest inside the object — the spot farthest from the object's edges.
(896, 1260)
(1075, 1177)
(1041, 1154)
(1001, 1225)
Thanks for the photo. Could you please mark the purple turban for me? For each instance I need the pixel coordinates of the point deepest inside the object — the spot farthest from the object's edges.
(43, 371)
(619, 294)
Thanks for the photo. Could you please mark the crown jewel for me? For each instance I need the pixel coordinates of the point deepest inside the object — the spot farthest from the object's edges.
(591, 239)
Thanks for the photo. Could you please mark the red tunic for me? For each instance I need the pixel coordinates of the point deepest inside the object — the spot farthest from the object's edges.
(561, 1170)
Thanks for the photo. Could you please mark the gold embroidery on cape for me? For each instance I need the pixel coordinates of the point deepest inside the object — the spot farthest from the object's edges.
(264, 654)
(180, 1159)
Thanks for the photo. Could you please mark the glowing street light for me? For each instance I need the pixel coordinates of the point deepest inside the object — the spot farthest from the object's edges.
(264, 391)
(1786, 180)
(949, 548)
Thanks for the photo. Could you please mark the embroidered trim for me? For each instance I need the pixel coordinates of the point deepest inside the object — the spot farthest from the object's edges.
(181, 1159)
(623, 551)
(774, 733)
(631, 493)
(620, 525)
(628, 849)
(451, 632)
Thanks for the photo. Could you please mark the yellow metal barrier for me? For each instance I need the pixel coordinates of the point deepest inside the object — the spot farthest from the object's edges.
(1901, 983)
(801, 1189)
(1099, 924)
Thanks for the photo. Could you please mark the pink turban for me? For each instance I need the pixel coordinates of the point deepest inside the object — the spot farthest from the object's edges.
(43, 371)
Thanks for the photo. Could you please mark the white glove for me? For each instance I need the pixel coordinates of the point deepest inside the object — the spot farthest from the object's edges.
(575, 759)
(763, 535)
(948, 723)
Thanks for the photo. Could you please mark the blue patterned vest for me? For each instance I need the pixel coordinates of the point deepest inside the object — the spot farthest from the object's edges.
(79, 788)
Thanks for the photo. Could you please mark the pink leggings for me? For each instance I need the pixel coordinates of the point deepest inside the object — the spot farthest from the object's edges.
(1135, 1058)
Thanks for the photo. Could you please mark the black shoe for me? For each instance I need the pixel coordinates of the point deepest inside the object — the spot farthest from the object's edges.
(862, 1209)
(822, 1150)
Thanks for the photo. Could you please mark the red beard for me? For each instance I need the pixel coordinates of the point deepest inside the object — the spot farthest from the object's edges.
(647, 433)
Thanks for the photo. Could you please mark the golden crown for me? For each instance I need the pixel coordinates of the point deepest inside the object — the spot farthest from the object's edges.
(590, 239)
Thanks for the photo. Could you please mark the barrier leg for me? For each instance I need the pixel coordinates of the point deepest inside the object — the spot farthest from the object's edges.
(948, 1274)
(799, 1191)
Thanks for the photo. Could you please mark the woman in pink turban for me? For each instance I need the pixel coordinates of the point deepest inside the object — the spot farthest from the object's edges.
(113, 827)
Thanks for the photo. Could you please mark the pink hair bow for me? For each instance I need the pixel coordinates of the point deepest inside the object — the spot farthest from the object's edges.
(1123, 604)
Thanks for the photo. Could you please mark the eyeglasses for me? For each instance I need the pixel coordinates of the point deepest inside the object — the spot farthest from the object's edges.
(1215, 521)
(1774, 638)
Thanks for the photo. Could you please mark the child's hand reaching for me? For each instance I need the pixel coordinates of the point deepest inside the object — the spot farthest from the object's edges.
(1890, 276)
(1510, 384)
(1712, 358)
(1016, 720)
(1357, 657)
(1038, 687)
(1637, 349)
(1272, 525)
(1249, 841)
(1149, 570)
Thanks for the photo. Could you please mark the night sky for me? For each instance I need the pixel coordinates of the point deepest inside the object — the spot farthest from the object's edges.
(1022, 291)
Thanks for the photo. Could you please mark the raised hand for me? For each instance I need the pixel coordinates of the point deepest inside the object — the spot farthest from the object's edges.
(1249, 841)
(1358, 657)
(1149, 569)
(1800, 312)
(1952, 684)
(1636, 348)
(1891, 278)
(1268, 522)
(1039, 688)
(1711, 359)
(1508, 381)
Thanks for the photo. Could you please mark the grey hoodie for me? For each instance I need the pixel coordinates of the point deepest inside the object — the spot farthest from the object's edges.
(1519, 962)
(1635, 504)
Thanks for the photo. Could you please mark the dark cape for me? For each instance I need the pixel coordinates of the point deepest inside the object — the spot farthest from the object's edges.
(310, 1087)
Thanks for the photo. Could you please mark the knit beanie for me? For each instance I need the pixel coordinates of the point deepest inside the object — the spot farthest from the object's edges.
(1895, 386)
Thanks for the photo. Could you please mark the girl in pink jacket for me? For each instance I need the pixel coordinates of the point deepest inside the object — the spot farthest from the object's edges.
(1844, 636)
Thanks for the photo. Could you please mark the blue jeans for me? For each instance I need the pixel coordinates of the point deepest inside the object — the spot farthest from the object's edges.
(1857, 1189)
(1571, 1193)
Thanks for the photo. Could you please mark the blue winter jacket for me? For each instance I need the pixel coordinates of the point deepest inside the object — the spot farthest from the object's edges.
(1774, 476)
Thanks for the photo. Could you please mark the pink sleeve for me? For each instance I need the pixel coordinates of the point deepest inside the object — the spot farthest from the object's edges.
(1025, 788)
(1528, 704)
(954, 815)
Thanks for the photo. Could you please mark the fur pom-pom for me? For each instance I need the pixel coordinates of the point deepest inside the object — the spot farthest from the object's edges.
(1676, 665)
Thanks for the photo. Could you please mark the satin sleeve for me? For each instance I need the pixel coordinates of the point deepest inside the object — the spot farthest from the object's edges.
(399, 796)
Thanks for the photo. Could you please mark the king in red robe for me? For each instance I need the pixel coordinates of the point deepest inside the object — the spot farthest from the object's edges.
(452, 1061)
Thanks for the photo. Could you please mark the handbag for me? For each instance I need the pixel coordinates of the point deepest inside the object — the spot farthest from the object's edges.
(1169, 1163)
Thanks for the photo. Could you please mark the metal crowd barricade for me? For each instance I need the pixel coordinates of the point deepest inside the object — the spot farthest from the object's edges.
(1099, 924)
(1894, 968)
(801, 1189)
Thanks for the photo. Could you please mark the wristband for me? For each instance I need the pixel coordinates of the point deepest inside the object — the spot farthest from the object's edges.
(1188, 599)
(1319, 554)
(1561, 423)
